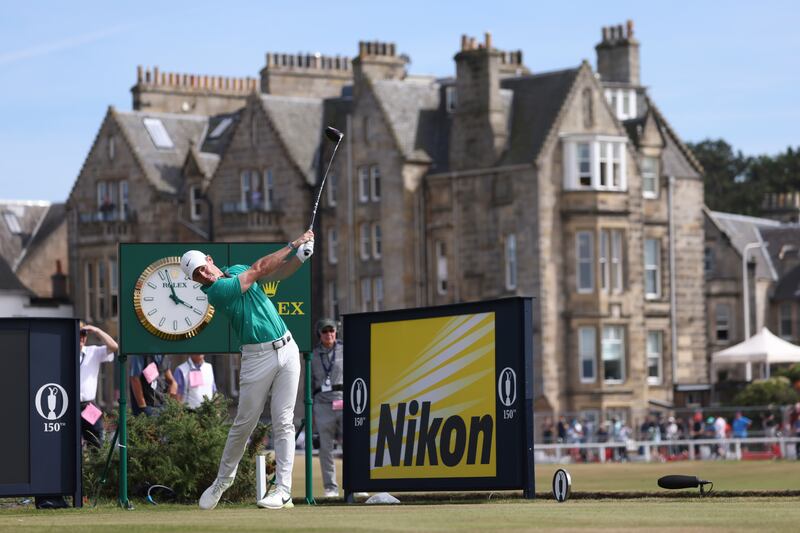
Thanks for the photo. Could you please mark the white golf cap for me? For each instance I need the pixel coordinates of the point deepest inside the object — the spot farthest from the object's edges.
(191, 260)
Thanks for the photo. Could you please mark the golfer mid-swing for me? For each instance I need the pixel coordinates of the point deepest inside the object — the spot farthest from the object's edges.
(270, 359)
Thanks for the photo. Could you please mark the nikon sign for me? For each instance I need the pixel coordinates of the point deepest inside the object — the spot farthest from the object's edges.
(440, 398)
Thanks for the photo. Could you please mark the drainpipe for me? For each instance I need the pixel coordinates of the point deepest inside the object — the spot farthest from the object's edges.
(673, 299)
(351, 272)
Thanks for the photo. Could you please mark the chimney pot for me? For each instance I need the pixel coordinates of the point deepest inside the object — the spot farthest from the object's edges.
(464, 42)
(629, 23)
(155, 76)
(138, 74)
(488, 40)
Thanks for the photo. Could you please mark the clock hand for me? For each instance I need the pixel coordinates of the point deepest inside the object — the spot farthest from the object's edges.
(184, 303)
(173, 296)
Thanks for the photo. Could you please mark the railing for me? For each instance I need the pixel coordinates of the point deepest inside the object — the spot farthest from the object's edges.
(100, 225)
(668, 450)
(249, 220)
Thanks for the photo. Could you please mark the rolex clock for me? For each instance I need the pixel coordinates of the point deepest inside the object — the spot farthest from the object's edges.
(169, 304)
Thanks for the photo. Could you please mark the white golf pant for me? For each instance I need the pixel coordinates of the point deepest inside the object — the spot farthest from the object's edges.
(264, 368)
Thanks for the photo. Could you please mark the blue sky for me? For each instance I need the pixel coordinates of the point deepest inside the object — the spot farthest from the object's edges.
(716, 69)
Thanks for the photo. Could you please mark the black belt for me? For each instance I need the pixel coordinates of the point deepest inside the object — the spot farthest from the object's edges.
(337, 387)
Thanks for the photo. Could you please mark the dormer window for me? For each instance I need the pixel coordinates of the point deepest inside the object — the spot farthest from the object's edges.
(595, 162)
(450, 98)
(622, 102)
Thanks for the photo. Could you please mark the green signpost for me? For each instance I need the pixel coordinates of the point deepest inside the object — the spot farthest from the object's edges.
(149, 276)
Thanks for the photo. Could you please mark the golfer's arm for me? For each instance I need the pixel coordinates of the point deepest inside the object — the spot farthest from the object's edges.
(138, 395)
(285, 270)
(265, 267)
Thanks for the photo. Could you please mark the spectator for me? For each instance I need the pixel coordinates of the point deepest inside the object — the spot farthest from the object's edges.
(720, 432)
(770, 424)
(796, 427)
(151, 378)
(697, 429)
(90, 359)
(672, 434)
(547, 431)
(561, 427)
(327, 377)
(194, 381)
(740, 425)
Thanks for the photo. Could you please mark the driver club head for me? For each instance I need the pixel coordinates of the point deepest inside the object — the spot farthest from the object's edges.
(333, 134)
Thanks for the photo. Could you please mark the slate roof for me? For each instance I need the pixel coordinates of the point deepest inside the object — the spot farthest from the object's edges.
(742, 230)
(298, 122)
(537, 100)
(778, 238)
(29, 215)
(163, 167)
(788, 288)
(52, 219)
(412, 110)
(9, 282)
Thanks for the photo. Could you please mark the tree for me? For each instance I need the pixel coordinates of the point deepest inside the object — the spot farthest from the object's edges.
(736, 183)
(777, 391)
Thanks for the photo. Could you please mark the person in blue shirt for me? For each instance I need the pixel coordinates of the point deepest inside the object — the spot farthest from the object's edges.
(739, 425)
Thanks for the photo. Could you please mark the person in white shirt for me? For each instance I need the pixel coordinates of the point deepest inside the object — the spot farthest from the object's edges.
(195, 379)
(91, 357)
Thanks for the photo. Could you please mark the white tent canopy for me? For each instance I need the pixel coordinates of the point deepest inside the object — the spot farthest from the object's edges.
(764, 347)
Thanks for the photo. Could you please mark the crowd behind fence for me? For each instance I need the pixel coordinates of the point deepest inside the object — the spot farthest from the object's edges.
(696, 433)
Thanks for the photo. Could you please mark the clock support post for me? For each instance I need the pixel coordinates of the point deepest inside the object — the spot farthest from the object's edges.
(309, 402)
(122, 424)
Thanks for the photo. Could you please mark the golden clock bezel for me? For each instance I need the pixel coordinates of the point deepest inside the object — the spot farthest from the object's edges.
(137, 304)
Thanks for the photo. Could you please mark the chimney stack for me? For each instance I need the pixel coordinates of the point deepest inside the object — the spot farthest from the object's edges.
(618, 55)
(59, 283)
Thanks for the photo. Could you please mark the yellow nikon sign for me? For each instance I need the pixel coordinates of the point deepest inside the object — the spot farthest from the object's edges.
(433, 409)
(439, 398)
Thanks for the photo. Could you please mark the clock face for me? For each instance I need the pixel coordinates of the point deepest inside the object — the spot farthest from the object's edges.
(168, 303)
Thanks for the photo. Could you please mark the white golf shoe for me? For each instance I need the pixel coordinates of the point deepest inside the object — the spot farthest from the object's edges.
(276, 499)
(331, 493)
(212, 494)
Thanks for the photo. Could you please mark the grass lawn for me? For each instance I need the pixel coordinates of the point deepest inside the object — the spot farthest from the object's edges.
(484, 512)
(498, 515)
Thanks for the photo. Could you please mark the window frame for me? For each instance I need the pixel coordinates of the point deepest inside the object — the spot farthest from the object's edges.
(364, 241)
(656, 355)
(440, 253)
(587, 352)
(722, 322)
(366, 294)
(194, 203)
(605, 341)
(652, 269)
(377, 293)
(606, 152)
(268, 186)
(584, 262)
(650, 176)
(510, 246)
(376, 240)
(375, 183)
(363, 184)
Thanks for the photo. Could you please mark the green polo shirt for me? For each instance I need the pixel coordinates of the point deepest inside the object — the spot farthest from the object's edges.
(252, 316)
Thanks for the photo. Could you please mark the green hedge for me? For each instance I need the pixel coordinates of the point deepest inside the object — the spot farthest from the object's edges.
(178, 448)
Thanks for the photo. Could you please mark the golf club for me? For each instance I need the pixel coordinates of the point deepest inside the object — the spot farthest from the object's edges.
(333, 135)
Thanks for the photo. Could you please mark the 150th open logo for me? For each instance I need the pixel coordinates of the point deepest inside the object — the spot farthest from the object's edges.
(432, 413)
(51, 403)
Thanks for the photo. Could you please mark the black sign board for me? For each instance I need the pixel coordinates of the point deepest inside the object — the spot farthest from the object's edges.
(439, 398)
(40, 418)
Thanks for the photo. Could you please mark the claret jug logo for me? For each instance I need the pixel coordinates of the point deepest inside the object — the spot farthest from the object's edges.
(432, 413)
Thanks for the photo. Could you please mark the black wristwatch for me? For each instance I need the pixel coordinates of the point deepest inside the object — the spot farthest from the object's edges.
(290, 245)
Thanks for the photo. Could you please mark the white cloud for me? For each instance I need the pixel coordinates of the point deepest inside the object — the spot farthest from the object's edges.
(57, 46)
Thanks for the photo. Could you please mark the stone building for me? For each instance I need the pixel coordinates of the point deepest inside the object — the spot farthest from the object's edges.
(569, 186)
(766, 251)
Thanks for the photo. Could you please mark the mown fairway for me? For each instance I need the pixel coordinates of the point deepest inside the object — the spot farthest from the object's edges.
(753, 514)
(480, 512)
